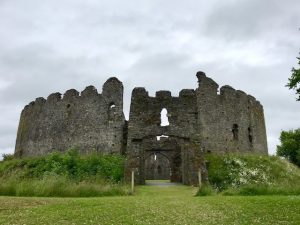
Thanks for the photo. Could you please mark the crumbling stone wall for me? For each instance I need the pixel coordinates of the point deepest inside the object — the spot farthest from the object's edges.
(229, 121)
(88, 121)
(145, 125)
(201, 121)
(204, 120)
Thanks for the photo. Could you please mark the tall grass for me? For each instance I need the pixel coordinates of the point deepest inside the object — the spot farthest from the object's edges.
(60, 186)
(63, 175)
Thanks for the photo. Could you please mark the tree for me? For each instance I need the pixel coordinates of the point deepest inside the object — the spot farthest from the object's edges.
(290, 146)
(294, 81)
(7, 157)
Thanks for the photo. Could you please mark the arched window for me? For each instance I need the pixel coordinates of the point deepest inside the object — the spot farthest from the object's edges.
(112, 105)
(164, 120)
(111, 111)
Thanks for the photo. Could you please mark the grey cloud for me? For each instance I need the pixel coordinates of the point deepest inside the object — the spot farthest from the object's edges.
(240, 20)
(50, 46)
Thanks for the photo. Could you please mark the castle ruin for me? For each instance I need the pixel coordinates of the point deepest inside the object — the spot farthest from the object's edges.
(203, 120)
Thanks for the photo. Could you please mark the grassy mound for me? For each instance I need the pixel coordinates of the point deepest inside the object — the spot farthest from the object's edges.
(63, 175)
(252, 175)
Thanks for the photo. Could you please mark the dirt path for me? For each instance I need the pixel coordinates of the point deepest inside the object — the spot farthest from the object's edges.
(161, 183)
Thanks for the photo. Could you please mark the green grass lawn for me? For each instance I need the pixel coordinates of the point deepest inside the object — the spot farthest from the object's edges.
(152, 205)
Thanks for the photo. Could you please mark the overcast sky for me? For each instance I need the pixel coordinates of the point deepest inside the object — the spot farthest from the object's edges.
(54, 45)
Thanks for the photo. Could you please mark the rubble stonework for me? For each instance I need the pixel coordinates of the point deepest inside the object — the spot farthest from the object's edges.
(88, 121)
(200, 121)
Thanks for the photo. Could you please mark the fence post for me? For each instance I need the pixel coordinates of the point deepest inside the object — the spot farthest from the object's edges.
(132, 180)
(199, 178)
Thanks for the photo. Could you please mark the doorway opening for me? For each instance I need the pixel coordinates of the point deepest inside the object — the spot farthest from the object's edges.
(157, 167)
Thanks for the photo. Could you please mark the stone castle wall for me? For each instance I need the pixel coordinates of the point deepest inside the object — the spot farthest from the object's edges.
(145, 125)
(204, 120)
(229, 121)
(201, 121)
(88, 121)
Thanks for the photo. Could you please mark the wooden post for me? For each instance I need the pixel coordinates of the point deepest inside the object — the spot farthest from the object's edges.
(132, 180)
(199, 178)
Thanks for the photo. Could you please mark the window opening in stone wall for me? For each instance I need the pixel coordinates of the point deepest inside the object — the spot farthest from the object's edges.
(164, 120)
(250, 136)
(158, 138)
(235, 132)
(112, 105)
(111, 111)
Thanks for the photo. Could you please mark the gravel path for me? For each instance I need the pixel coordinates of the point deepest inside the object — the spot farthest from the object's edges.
(161, 183)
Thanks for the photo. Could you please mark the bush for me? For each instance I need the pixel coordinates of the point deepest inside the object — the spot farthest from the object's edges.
(71, 165)
(252, 175)
(7, 157)
(205, 190)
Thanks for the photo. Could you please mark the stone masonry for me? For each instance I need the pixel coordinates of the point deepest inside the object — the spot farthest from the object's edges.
(89, 121)
(200, 121)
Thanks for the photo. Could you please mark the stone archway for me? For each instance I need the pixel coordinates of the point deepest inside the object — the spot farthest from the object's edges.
(157, 166)
(168, 153)
(185, 159)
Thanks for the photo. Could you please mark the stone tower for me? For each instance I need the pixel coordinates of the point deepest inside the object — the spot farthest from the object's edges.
(88, 121)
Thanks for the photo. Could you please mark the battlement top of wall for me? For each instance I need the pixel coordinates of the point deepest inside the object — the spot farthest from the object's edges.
(140, 91)
(89, 91)
(186, 93)
(203, 80)
(113, 84)
(54, 97)
(72, 93)
(112, 81)
(163, 94)
(229, 92)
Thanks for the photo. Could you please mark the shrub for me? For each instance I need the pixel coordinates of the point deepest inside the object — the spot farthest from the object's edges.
(205, 190)
(7, 157)
(70, 164)
(252, 175)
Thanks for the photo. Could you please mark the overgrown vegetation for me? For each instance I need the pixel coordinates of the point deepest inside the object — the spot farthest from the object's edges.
(64, 175)
(205, 190)
(7, 157)
(290, 146)
(252, 175)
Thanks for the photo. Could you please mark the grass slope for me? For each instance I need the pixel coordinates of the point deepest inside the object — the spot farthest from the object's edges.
(153, 205)
(252, 175)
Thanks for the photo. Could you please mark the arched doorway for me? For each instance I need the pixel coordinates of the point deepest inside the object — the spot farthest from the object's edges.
(157, 167)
